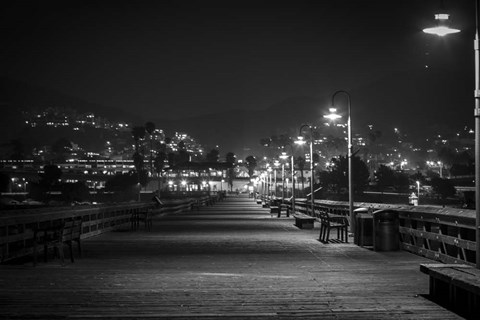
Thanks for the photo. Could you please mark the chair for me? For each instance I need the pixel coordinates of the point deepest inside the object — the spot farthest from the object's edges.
(56, 237)
(329, 222)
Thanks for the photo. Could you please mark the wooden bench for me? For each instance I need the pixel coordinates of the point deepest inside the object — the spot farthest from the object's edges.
(195, 205)
(57, 237)
(144, 216)
(330, 221)
(275, 209)
(303, 221)
(455, 286)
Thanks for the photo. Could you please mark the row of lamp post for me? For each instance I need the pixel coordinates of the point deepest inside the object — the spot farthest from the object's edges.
(301, 140)
(441, 29)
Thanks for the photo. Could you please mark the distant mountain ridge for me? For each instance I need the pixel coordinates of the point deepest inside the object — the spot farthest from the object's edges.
(417, 107)
(20, 95)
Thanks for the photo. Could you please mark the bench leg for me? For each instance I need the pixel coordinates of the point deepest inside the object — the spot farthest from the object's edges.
(34, 253)
(79, 248)
(59, 248)
(45, 252)
(70, 247)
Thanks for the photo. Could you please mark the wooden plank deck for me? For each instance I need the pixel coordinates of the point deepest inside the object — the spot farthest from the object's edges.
(229, 260)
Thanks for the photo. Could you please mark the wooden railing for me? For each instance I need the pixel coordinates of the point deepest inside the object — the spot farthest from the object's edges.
(17, 226)
(442, 234)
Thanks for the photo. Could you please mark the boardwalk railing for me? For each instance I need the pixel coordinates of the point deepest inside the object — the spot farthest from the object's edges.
(17, 226)
(442, 234)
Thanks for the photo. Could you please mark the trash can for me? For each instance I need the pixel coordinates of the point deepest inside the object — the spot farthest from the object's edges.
(363, 235)
(385, 230)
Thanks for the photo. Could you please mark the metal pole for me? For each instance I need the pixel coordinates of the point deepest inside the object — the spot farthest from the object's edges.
(350, 167)
(293, 185)
(477, 132)
(283, 183)
(268, 185)
(418, 192)
(311, 170)
(350, 155)
(275, 181)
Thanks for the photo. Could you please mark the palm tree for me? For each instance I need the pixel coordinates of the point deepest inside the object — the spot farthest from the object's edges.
(231, 159)
(300, 162)
(138, 134)
(159, 164)
(213, 156)
(251, 163)
(150, 128)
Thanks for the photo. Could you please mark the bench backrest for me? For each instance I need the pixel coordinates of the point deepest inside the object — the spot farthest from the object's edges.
(72, 229)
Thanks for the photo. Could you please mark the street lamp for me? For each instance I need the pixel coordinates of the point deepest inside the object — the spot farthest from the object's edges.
(301, 140)
(333, 116)
(441, 31)
(293, 176)
(269, 170)
(418, 192)
(275, 164)
(442, 28)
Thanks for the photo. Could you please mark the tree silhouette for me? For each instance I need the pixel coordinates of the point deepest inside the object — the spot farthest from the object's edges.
(18, 149)
(213, 156)
(385, 177)
(338, 176)
(150, 128)
(159, 164)
(251, 164)
(443, 187)
(138, 133)
(4, 182)
(59, 148)
(231, 159)
(300, 163)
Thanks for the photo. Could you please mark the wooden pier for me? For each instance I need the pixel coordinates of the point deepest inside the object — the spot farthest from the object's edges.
(229, 260)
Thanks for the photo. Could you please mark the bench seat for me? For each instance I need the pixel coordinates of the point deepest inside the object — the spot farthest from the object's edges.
(456, 286)
(303, 221)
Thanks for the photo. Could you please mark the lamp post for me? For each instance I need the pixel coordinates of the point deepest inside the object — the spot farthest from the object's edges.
(418, 192)
(441, 30)
(334, 116)
(283, 183)
(302, 141)
(275, 164)
(293, 176)
(269, 171)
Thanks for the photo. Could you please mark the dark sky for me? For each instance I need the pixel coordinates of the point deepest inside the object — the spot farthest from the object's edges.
(177, 58)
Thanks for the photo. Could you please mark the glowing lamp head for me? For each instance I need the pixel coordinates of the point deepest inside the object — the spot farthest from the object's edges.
(442, 29)
(284, 155)
(333, 115)
(300, 140)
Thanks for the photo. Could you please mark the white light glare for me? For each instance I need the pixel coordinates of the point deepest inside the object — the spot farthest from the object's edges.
(441, 29)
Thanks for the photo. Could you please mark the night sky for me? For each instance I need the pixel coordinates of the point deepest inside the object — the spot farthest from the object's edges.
(175, 58)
